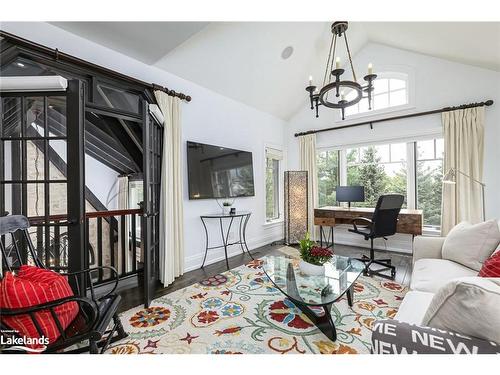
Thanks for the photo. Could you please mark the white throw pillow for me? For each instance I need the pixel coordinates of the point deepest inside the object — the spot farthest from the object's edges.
(470, 245)
(468, 305)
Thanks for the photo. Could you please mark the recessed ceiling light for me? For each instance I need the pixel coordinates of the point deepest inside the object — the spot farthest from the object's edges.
(287, 52)
(21, 65)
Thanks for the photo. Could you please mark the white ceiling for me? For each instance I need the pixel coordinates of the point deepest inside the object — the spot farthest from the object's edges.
(144, 41)
(242, 60)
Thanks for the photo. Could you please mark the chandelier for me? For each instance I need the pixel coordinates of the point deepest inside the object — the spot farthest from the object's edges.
(336, 92)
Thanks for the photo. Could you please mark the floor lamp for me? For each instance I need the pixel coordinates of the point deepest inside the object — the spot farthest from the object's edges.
(451, 178)
(296, 206)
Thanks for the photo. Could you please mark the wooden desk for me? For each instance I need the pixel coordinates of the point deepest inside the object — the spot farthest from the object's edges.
(410, 221)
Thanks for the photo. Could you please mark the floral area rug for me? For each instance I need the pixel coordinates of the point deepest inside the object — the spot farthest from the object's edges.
(240, 311)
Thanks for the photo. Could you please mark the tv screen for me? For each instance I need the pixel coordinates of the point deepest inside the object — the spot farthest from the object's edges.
(219, 172)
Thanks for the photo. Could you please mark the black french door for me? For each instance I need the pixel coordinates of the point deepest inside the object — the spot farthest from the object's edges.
(152, 136)
(42, 171)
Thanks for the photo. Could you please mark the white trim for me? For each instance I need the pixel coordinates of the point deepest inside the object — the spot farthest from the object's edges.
(33, 83)
(194, 262)
(156, 113)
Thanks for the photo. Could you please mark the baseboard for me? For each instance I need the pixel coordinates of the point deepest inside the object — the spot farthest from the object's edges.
(216, 255)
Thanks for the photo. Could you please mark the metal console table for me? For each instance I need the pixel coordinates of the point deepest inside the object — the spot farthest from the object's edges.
(243, 216)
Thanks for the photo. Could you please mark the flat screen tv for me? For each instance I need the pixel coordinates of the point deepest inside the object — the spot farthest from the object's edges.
(219, 172)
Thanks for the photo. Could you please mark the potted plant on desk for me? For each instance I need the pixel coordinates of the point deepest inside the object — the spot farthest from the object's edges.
(313, 257)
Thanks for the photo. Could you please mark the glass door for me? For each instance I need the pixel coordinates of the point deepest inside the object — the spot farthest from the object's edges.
(40, 152)
(152, 136)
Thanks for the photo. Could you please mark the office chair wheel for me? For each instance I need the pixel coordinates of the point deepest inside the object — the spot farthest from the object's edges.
(393, 273)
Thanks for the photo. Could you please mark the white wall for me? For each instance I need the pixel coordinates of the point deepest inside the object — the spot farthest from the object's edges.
(437, 83)
(209, 118)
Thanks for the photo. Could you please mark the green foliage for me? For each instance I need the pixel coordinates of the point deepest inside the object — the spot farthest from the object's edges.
(429, 188)
(328, 171)
(306, 245)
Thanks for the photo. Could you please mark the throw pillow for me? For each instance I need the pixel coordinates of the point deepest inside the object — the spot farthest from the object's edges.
(491, 266)
(470, 245)
(31, 287)
(469, 306)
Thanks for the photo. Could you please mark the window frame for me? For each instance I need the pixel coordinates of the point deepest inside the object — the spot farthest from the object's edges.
(279, 150)
(408, 77)
(411, 165)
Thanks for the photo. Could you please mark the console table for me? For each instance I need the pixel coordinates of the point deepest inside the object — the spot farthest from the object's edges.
(243, 216)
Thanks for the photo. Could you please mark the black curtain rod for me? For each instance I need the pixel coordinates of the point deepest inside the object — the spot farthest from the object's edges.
(58, 55)
(417, 114)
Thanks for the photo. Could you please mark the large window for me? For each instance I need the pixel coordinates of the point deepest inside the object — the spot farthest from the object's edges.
(274, 158)
(429, 174)
(390, 90)
(380, 169)
(413, 169)
(328, 176)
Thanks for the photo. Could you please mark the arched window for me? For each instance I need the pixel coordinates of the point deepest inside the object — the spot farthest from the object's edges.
(390, 90)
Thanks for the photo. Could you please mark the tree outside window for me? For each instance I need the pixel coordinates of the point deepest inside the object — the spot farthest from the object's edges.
(273, 161)
(381, 169)
(429, 172)
(328, 177)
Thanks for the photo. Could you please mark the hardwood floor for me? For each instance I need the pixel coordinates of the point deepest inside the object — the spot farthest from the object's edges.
(134, 296)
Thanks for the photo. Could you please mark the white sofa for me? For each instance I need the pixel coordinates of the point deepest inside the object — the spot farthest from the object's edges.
(430, 273)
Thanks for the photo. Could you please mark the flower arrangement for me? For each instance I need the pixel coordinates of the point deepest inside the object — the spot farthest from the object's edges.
(227, 203)
(311, 253)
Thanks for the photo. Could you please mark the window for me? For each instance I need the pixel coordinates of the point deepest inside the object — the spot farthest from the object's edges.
(390, 90)
(413, 169)
(429, 174)
(328, 177)
(274, 158)
(380, 169)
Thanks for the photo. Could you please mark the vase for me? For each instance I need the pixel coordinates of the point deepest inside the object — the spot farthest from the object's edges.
(226, 210)
(311, 269)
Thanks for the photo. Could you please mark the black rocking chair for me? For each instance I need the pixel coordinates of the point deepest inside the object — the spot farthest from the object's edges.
(382, 224)
(96, 313)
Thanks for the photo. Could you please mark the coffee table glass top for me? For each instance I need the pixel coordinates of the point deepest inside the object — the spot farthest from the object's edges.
(340, 274)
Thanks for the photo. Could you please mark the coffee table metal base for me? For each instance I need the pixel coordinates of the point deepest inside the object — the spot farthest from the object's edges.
(324, 322)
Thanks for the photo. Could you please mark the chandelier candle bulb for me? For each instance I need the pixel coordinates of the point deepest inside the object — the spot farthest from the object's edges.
(337, 63)
(370, 68)
(310, 80)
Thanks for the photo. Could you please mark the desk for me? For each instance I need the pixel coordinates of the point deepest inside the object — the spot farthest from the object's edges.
(409, 221)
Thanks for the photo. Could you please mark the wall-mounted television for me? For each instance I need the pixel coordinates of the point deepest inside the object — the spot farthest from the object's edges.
(219, 172)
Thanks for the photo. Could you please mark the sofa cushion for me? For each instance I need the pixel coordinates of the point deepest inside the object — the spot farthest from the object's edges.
(468, 305)
(491, 266)
(413, 307)
(431, 274)
(470, 245)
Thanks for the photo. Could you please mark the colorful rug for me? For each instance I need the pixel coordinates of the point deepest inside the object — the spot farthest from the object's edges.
(240, 311)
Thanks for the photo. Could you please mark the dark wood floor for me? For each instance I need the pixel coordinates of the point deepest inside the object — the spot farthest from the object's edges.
(134, 296)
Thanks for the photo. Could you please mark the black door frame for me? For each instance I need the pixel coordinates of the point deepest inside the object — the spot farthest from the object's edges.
(75, 179)
(152, 141)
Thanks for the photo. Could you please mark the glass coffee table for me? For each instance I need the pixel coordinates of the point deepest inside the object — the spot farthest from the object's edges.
(314, 295)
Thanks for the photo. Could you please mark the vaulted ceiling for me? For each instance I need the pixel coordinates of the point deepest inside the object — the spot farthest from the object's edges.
(243, 60)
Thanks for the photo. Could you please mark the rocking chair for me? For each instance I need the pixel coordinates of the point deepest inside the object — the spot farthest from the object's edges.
(95, 312)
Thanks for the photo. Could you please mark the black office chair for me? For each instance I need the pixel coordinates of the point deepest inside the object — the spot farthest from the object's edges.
(382, 224)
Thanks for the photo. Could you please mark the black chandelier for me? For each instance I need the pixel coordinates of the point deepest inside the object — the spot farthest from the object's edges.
(345, 93)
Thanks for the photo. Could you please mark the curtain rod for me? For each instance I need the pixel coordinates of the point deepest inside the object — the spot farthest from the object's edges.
(58, 55)
(417, 114)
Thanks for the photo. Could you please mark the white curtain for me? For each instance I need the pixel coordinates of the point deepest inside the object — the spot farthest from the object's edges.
(171, 200)
(463, 150)
(123, 204)
(307, 151)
